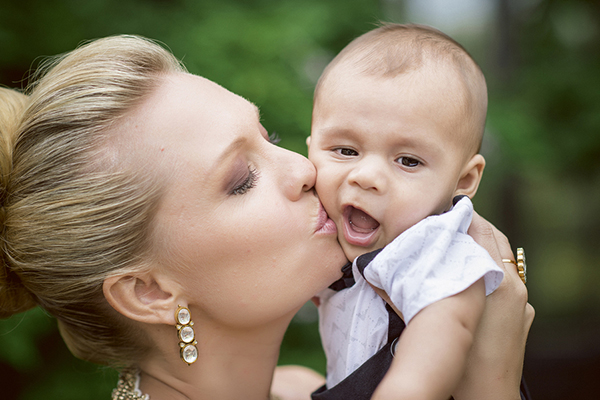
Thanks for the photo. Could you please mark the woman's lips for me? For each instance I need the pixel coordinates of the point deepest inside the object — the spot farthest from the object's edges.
(325, 225)
(359, 227)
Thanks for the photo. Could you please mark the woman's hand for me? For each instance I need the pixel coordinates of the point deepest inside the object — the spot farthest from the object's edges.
(495, 363)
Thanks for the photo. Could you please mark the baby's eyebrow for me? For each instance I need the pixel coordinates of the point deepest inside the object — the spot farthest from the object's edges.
(336, 132)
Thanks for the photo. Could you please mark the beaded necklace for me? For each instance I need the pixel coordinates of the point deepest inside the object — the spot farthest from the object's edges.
(127, 387)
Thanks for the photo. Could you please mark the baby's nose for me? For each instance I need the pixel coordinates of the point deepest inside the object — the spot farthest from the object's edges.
(369, 176)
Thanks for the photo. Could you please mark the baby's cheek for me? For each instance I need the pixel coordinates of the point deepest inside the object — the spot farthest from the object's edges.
(398, 226)
(351, 252)
(325, 186)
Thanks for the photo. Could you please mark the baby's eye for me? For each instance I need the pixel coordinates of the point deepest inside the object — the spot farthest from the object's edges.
(408, 162)
(344, 151)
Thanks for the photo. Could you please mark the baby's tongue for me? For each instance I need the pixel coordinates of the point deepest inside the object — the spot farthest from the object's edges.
(361, 221)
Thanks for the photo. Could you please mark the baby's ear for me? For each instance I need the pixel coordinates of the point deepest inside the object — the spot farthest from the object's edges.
(470, 176)
(308, 142)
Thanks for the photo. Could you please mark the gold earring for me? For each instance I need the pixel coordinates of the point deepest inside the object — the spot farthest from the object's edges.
(187, 337)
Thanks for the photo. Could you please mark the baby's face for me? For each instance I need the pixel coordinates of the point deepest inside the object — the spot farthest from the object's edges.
(385, 155)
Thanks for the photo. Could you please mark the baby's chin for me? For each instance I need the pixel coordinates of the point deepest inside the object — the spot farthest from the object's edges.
(352, 252)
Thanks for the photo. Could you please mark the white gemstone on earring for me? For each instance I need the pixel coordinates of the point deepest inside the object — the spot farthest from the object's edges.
(183, 316)
(186, 334)
(189, 354)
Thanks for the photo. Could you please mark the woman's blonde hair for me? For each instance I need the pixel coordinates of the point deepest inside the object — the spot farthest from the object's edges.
(71, 215)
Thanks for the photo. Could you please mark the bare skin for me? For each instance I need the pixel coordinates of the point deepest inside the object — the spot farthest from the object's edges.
(239, 221)
(495, 362)
(386, 161)
(240, 330)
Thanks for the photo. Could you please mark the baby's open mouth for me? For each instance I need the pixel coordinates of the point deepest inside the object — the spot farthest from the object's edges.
(359, 227)
(361, 221)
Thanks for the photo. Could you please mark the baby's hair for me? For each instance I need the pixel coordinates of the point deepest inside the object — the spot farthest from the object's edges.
(394, 49)
(71, 215)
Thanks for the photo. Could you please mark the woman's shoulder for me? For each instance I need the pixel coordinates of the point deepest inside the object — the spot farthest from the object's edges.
(294, 382)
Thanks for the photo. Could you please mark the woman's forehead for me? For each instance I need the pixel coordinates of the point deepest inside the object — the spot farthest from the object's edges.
(187, 122)
(185, 104)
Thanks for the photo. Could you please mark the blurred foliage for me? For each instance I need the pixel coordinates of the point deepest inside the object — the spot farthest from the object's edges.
(544, 116)
(270, 52)
(542, 181)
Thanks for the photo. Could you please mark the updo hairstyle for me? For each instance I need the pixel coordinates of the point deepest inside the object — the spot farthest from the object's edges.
(70, 214)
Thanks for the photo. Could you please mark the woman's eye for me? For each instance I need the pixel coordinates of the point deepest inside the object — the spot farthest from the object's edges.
(346, 152)
(408, 162)
(247, 184)
(274, 138)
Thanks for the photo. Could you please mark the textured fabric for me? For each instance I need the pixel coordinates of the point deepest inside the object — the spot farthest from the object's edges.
(432, 260)
(361, 384)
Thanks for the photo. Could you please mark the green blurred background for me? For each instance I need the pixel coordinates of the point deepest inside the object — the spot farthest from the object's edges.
(541, 186)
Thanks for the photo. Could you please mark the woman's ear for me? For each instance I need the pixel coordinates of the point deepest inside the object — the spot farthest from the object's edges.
(470, 176)
(143, 297)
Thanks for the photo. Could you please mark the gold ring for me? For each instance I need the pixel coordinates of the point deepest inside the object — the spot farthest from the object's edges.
(520, 263)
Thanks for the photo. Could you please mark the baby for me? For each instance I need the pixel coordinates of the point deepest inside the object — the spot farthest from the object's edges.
(397, 124)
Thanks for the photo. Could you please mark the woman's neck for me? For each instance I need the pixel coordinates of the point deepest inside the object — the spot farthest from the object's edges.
(232, 364)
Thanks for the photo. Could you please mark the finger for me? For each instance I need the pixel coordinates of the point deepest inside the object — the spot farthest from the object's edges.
(503, 244)
(529, 315)
(497, 245)
(316, 301)
(484, 234)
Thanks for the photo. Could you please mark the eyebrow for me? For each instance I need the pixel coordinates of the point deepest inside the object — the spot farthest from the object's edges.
(224, 166)
(336, 134)
(240, 139)
(229, 151)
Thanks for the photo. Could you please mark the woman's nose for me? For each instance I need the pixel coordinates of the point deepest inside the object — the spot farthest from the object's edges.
(297, 173)
(368, 175)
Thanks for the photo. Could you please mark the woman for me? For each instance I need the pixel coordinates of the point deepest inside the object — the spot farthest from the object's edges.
(138, 198)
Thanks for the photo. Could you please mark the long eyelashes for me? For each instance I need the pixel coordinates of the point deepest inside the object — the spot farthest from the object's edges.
(248, 183)
(253, 173)
(274, 138)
